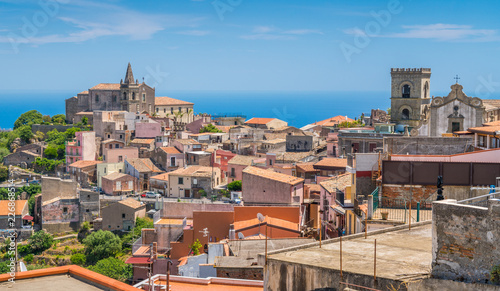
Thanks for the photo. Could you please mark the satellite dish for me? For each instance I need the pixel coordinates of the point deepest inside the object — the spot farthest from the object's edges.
(240, 235)
(260, 217)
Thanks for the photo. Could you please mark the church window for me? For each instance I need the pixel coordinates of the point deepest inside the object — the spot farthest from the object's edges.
(114, 98)
(96, 98)
(406, 91)
(143, 97)
(187, 110)
(426, 89)
(455, 126)
(124, 96)
(405, 114)
(133, 95)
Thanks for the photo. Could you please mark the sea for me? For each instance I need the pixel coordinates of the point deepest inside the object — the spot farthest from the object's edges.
(296, 108)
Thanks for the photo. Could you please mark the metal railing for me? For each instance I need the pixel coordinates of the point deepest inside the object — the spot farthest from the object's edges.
(399, 210)
(480, 200)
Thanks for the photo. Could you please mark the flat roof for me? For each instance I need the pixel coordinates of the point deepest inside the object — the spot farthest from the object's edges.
(401, 253)
(57, 282)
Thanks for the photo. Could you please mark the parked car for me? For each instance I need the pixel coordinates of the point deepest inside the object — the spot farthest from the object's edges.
(152, 195)
(143, 195)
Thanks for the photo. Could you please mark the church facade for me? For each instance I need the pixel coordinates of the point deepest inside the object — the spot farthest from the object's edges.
(411, 106)
(128, 95)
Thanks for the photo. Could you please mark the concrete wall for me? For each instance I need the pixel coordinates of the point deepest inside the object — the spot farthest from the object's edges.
(55, 187)
(112, 216)
(465, 240)
(46, 128)
(120, 155)
(423, 192)
(265, 191)
(147, 129)
(427, 145)
(89, 205)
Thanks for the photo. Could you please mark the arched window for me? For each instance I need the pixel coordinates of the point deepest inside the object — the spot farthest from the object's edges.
(405, 114)
(406, 91)
(114, 98)
(124, 95)
(133, 95)
(426, 89)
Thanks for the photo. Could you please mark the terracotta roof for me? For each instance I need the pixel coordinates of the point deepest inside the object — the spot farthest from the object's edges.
(332, 162)
(19, 206)
(271, 175)
(256, 120)
(340, 182)
(115, 175)
(131, 202)
(333, 120)
(138, 260)
(143, 140)
(493, 123)
(163, 177)
(313, 187)
(194, 171)
(185, 141)
(485, 129)
(96, 279)
(241, 225)
(83, 164)
(306, 167)
(84, 92)
(181, 283)
(170, 101)
(491, 104)
(171, 150)
(223, 128)
(241, 160)
(143, 165)
(106, 86)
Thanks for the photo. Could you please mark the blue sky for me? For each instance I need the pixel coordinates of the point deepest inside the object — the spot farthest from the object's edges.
(232, 45)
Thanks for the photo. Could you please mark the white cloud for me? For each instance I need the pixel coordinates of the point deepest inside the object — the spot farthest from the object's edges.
(194, 32)
(273, 33)
(444, 32)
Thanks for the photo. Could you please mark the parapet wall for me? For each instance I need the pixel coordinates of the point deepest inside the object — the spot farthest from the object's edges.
(465, 240)
(410, 70)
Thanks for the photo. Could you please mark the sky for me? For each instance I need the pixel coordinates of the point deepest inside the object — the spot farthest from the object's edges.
(243, 45)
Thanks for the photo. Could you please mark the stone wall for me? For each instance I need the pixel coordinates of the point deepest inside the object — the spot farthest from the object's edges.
(248, 273)
(465, 240)
(421, 192)
(427, 145)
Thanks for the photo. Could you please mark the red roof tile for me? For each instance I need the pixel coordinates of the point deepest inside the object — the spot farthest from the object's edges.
(170, 101)
(256, 120)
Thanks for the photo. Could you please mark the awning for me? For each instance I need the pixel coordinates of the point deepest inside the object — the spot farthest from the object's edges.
(27, 217)
(138, 260)
(339, 209)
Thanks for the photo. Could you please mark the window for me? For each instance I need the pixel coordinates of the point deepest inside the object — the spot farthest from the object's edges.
(181, 180)
(143, 97)
(406, 91)
(111, 146)
(172, 110)
(233, 172)
(187, 110)
(120, 159)
(157, 109)
(77, 152)
(78, 143)
(455, 126)
(121, 136)
(114, 98)
(180, 109)
(109, 135)
(164, 110)
(123, 215)
(96, 98)
(117, 146)
(270, 162)
(124, 96)
(104, 170)
(405, 114)
(133, 95)
(65, 210)
(172, 161)
(86, 210)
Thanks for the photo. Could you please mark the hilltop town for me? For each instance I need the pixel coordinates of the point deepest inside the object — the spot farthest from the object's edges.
(143, 185)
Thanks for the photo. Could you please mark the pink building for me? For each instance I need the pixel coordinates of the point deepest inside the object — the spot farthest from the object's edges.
(81, 148)
(119, 184)
(236, 165)
(147, 129)
(118, 155)
(261, 186)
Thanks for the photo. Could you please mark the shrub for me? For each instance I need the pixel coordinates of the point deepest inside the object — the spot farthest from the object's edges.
(234, 186)
(28, 258)
(113, 268)
(195, 247)
(40, 241)
(78, 259)
(495, 275)
(100, 245)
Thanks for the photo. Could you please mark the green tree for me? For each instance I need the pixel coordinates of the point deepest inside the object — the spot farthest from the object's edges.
(234, 186)
(140, 223)
(4, 173)
(113, 268)
(70, 132)
(85, 120)
(59, 119)
(195, 247)
(31, 205)
(40, 241)
(209, 128)
(3, 153)
(50, 152)
(100, 245)
(46, 119)
(78, 259)
(4, 267)
(25, 133)
(29, 258)
(28, 118)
